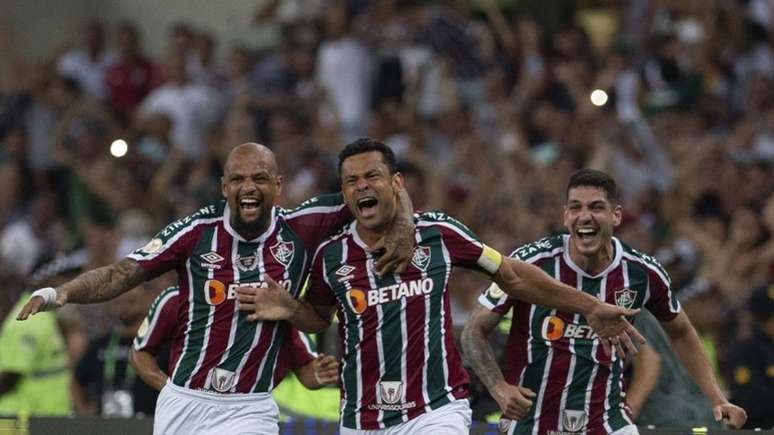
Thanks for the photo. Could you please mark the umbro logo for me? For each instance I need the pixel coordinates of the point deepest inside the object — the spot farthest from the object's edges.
(211, 258)
(345, 272)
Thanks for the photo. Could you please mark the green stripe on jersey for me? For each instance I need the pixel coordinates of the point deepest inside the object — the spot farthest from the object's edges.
(157, 302)
(436, 379)
(245, 331)
(616, 412)
(197, 322)
(267, 375)
(391, 344)
(584, 360)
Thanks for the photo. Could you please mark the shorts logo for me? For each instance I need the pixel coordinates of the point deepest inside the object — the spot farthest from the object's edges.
(573, 421)
(625, 297)
(222, 380)
(553, 328)
(152, 246)
(357, 300)
(283, 252)
(248, 263)
(421, 258)
(214, 292)
(390, 392)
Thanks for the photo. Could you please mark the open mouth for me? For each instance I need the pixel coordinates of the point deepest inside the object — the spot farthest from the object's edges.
(249, 204)
(586, 234)
(367, 206)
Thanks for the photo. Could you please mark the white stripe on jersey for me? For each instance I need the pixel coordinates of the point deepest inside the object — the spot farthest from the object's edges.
(210, 317)
(259, 324)
(140, 343)
(173, 239)
(573, 359)
(256, 338)
(442, 321)
(549, 359)
(379, 344)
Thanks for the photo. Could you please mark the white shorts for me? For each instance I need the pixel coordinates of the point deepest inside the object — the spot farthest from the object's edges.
(183, 411)
(450, 419)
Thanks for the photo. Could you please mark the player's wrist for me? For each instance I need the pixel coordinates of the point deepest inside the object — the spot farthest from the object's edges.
(52, 299)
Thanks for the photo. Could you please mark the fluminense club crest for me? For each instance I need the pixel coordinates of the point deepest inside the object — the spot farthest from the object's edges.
(625, 297)
(282, 252)
(421, 258)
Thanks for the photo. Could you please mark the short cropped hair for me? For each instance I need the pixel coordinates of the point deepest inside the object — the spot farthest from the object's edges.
(594, 178)
(367, 144)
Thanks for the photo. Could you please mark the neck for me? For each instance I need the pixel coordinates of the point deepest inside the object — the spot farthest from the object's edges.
(595, 263)
(369, 236)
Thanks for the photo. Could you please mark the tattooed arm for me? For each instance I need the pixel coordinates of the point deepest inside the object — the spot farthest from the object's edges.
(512, 399)
(98, 285)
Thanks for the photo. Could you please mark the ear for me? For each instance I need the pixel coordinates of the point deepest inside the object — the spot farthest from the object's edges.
(566, 218)
(617, 215)
(279, 185)
(223, 186)
(398, 183)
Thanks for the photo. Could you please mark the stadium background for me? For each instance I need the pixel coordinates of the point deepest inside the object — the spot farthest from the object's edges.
(488, 105)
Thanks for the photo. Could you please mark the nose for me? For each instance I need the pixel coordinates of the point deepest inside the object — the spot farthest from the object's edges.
(361, 184)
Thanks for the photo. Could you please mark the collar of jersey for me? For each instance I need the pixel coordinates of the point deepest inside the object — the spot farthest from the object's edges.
(234, 234)
(613, 264)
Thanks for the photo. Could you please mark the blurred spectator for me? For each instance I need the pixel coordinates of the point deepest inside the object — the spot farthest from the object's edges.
(131, 77)
(34, 375)
(752, 363)
(192, 108)
(105, 382)
(88, 64)
(344, 71)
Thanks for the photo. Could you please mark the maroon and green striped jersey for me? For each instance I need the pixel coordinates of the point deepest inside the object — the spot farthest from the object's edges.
(399, 358)
(221, 350)
(558, 356)
(160, 327)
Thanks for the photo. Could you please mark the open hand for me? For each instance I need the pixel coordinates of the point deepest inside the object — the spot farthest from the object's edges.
(397, 246)
(37, 304)
(266, 303)
(614, 331)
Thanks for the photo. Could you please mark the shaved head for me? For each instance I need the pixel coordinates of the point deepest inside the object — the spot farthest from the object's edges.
(251, 150)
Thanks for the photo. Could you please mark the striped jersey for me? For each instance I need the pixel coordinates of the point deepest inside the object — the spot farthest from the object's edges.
(217, 348)
(558, 356)
(399, 358)
(160, 326)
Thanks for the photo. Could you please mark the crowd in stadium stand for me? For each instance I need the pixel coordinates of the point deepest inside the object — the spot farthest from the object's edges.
(489, 110)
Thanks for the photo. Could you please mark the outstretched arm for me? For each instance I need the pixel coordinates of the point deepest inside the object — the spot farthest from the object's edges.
(689, 350)
(98, 285)
(479, 353)
(529, 283)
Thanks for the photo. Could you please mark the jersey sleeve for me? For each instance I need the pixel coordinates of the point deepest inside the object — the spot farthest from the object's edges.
(319, 291)
(161, 322)
(172, 245)
(317, 218)
(464, 247)
(495, 299)
(662, 301)
(298, 347)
